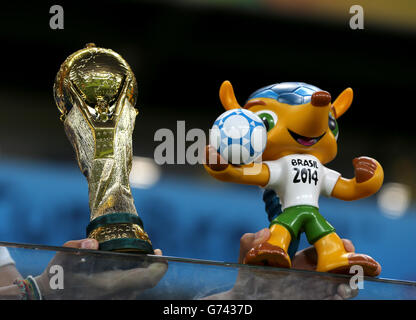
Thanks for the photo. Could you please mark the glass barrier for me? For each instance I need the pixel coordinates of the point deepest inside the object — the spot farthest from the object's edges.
(66, 273)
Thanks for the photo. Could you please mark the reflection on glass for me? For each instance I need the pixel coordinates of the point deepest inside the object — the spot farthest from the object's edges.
(66, 273)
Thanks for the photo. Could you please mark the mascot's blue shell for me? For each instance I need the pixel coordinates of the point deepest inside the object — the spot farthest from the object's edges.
(293, 93)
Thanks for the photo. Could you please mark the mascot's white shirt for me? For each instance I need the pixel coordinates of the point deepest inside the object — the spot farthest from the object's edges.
(299, 179)
(5, 257)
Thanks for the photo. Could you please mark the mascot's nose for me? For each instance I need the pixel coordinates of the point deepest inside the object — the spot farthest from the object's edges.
(320, 99)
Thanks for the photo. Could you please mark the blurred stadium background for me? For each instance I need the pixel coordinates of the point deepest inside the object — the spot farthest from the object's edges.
(181, 51)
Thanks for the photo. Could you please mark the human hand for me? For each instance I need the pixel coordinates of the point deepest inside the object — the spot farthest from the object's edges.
(272, 283)
(100, 276)
(305, 259)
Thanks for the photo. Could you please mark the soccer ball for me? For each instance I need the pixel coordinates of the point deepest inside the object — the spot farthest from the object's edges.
(239, 136)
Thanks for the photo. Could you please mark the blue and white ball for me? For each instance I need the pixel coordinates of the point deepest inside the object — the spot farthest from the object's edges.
(239, 136)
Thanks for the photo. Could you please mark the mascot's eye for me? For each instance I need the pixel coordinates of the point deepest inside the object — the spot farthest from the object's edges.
(333, 125)
(268, 117)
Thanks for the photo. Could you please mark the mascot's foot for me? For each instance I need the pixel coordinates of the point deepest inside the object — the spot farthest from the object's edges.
(332, 257)
(370, 266)
(266, 254)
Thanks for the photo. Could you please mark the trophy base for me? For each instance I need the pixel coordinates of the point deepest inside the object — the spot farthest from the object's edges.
(127, 245)
(122, 232)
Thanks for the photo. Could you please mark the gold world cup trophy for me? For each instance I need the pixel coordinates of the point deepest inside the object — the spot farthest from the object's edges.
(96, 91)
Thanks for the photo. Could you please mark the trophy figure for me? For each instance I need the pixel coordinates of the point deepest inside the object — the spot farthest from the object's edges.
(96, 91)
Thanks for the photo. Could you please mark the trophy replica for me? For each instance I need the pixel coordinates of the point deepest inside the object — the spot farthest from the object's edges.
(96, 91)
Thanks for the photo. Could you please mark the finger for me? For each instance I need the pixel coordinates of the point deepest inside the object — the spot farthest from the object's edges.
(126, 282)
(250, 240)
(142, 278)
(348, 245)
(155, 272)
(245, 245)
(346, 292)
(214, 160)
(305, 259)
(91, 244)
(158, 252)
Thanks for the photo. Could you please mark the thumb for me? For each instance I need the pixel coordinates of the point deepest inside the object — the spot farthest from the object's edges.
(251, 240)
(91, 244)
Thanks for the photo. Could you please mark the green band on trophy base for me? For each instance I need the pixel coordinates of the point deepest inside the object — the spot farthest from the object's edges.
(127, 245)
(113, 218)
(120, 232)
